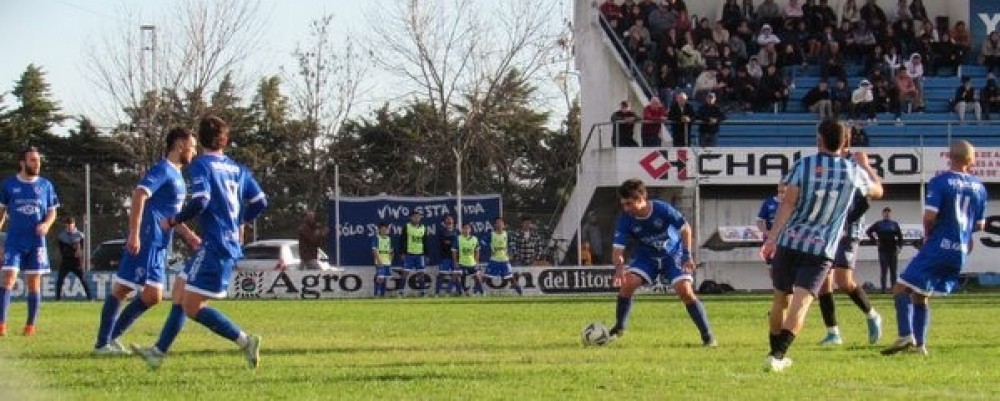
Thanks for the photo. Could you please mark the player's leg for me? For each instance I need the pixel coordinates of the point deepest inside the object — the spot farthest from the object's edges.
(211, 281)
(883, 267)
(844, 276)
(78, 271)
(60, 280)
(828, 309)
(35, 264)
(11, 265)
(512, 278)
(150, 264)
(921, 320)
(681, 283)
(805, 274)
(641, 270)
(458, 282)
(893, 266)
(109, 316)
(918, 277)
(409, 266)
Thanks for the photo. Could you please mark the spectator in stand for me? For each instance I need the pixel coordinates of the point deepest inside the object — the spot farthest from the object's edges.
(827, 17)
(639, 28)
(918, 12)
(768, 14)
(892, 60)
(768, 55)
(727, 60)
(961, 37)
(859, 138)
(990, 96)
(849, 11)
(744, 90)
(623, 120)
(905, 91)
(946, 53)
(681, 115)
(790, 61)
(630, 14)
(683, 18)
(905, 37)
(528, 247)
(720, 35)
(773, 90)
(832, 62)
(881, 91)
(840, 97)
(901, 12)
(873, 15)
(661, 20)
(793, 11)
(610, 10)
(989, 53)
(691, 63)
(748, 12)
(725, 82)
(666, 78)
(864, 41)
(863, 102)
(915, 69)
(754, 69)
(874, 61)
(702, 31)
(739, 49)
(592, 235)
(653, 117)
(732, 15)
(817, 100)
(706, 83)
(646, 7)
(709, 118)
(637, 47)
(965, 96)
(767, 36)
(709, 52)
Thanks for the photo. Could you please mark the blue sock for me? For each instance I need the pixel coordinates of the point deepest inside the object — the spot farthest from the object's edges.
(621, 312)
(382, 288)
(376, 289)
(109, 313)
(173, 325)
(904, 314)
(218, 323)
(696, 310)
(921, 322)
(517, 287)
(131, 312)
(4, 304)
(34, 305)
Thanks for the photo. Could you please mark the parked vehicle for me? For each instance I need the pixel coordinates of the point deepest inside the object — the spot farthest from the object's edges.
(277, 254)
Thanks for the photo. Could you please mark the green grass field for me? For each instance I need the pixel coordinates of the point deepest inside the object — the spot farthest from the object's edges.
(503, 348)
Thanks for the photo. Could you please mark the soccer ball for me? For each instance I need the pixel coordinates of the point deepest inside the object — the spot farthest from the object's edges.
(596, 334)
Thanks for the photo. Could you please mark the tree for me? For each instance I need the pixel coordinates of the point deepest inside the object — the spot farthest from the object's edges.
(36, 111)
(324, 91)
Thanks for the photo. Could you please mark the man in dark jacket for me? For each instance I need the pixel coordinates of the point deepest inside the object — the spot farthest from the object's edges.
(681, 114)
(709, 117)
(889, 238)
(817, 100)
(624, 126)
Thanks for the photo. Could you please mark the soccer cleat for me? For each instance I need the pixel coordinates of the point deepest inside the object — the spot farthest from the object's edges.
(152, 356)
(831, 339)
(3, 329)
(920, 350)
(29, 330)
(252, 351)
(711, 343)
(616, 332)
(874, 329)
(120, 349)
(901, 344)
(772, 364)
(106, 350)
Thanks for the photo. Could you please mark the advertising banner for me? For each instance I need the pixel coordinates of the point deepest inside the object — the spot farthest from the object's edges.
(358, 219)
(98, 282)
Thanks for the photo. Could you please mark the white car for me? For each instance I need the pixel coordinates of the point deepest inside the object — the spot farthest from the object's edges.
(277, 255)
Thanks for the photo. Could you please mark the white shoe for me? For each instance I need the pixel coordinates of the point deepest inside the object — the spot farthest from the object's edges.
(119, 348)
(152, 356)
(772, 364)
(252, 351)
(920, 350)
(106, 350)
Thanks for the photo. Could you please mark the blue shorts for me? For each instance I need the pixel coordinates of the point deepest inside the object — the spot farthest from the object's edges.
(447, 266)
(32, 260)
(413, 263)
(499, 270)
(847, 253)
(208, 273)
(383, 272)
(469, 269)
(648, 267)
(145, 269)
(931, 273)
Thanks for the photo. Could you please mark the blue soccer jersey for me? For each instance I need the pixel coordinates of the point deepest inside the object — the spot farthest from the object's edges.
(827, 187)
(227, 185)
(164, 185)
(768, 210)
(960, 202)
(27, 203)
(656, 235)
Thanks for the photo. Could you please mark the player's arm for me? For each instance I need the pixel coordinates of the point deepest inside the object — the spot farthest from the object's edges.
(189, 236)
(50, 218)
(875, 191)
(378, 263)
(930, 216)
(687, 261)
(762, 218)
(3, 216)
(785, 210)
(139, 197)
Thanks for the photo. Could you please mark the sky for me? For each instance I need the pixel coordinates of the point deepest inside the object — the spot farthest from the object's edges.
(56, 34)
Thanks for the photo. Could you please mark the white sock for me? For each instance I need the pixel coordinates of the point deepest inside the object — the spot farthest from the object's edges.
(243, 340)
(835, 330)
(872, 314)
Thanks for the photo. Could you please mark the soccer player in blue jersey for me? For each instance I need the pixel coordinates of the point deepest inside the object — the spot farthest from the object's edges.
(663, 246)
(30, 202)
(382, 254)
(843, 274)
(219, 189)
(499, 264)
(466, 257)
(819, 189)
(447, 270)
(159, 194)
(414, 244)
(954, 208)
(765, 216)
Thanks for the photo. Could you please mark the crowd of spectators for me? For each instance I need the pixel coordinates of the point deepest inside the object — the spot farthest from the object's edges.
(750, 56)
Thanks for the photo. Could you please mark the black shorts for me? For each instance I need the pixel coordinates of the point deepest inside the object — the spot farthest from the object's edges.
(793, 268)
(847, 253)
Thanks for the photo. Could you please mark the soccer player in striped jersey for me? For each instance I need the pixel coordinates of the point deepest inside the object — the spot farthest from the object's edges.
(382, 254)
(159, 194)
(499, 263)
(954, 208)
(843, 274)
(663, 246)
(466, 254)
(224, 196)
(30, 201)
(818, 192)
